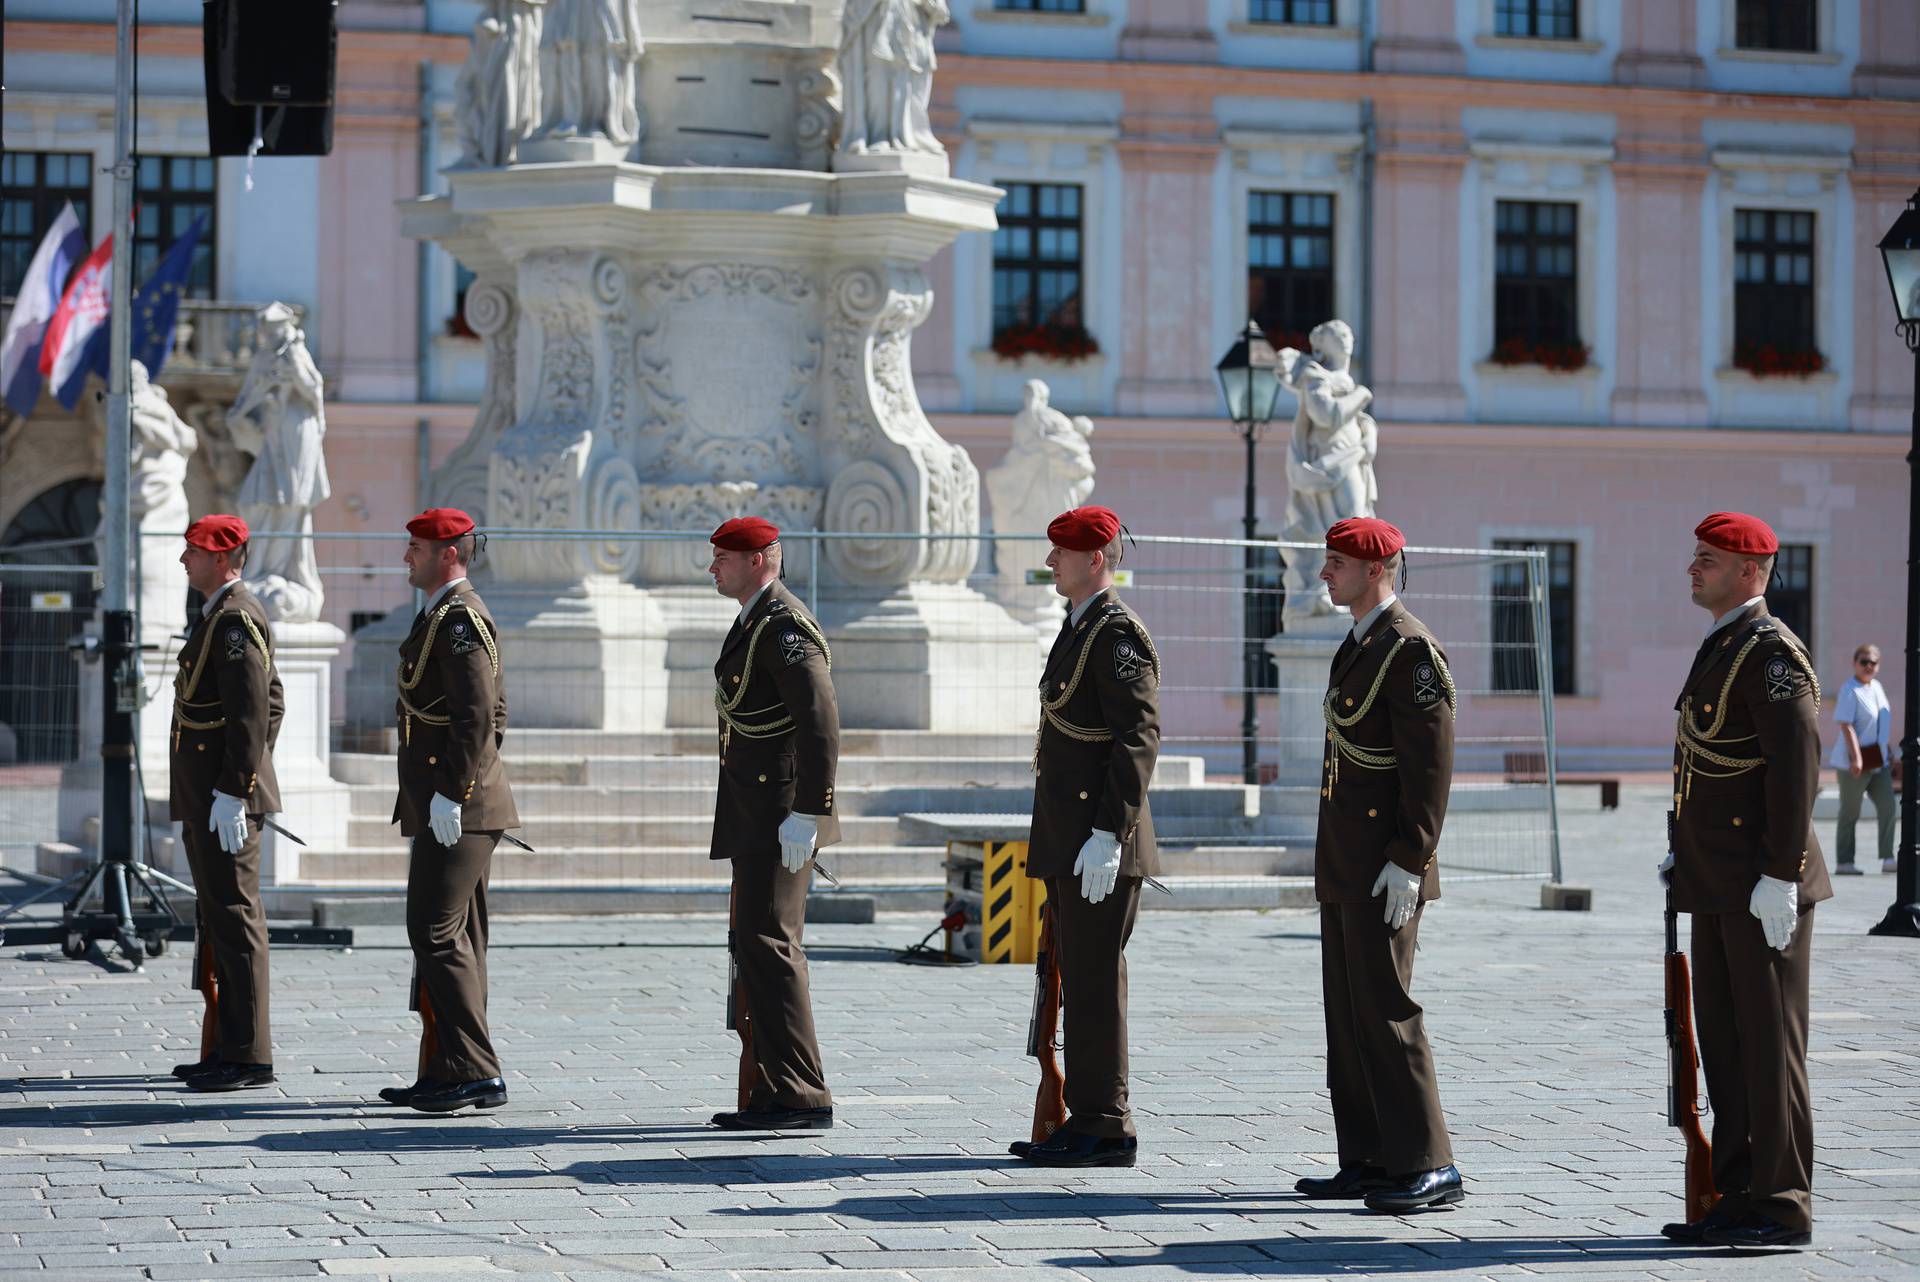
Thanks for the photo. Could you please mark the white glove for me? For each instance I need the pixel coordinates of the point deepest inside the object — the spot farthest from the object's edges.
(1665, 871)
(1777, 904)
(228, 822)
(1403, 894)
(796, 841)
(1098, 866)
(443, 817)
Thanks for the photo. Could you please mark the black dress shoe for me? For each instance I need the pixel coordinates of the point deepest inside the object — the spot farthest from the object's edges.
(1693, 1233)
(488, 1092)
(404, 1094)
(232, 1077)
(776, 1119)
(1414, 1192)
(1756, 1231)
(1352, 1182)
(184, 1071)
(1073, 1148)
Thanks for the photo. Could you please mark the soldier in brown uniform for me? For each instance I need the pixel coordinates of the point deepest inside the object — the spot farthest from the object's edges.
(1389, 763)
(1746, 766)
(1092, 838)
(779, 730)
(227, 706)
(454, 804)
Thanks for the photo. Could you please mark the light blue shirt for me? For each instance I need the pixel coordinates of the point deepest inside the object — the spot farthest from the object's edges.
(1864, 706)
(1366, 620)
(440, 593)
(1734, 613)
(208, 606)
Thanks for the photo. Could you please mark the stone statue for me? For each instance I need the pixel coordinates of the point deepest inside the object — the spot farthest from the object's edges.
(497, 98)
(886, 74)
(157, 499)
(590, 54)
(1329, 457)
(279, 419)
(1048, 469)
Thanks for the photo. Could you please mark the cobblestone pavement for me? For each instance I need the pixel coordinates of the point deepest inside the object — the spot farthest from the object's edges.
(1546, 1026)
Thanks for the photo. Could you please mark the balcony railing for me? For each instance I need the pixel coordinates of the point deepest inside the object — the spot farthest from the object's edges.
(211, 336)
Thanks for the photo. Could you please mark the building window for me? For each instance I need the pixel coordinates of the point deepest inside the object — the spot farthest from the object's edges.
(170, 192)
(1289, 263)
(1535, 275)
(1536, 19)
(1772, 285)
(1040, 6)
(1296, 13)
(1513, 632)
(33, 187)
(1785, 25)
(1036, 259)
(1790, 596)
(1265, 601)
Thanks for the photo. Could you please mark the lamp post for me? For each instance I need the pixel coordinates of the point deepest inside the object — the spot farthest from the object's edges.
(1900, 250)
(1250, 381)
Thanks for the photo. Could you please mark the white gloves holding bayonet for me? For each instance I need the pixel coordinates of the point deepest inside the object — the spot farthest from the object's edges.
(797, 834)
(1777, 904)
(443, 817)
(228, 822)
(1665, 871)
(1403, 894)
(1098, 866)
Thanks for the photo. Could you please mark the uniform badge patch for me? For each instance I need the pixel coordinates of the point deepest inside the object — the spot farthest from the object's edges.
(1128, 662)
(792, 648)
(236, 644)
(1426, 684)
(1780, 682)
(462, 638)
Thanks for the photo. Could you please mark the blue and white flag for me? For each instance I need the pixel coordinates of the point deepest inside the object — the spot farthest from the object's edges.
(63, 246)
(156, 304)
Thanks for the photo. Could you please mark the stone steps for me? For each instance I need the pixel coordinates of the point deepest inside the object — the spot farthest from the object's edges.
(660, 771)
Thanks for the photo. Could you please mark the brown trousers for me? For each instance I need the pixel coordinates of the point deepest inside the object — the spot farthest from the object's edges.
(769, 916)
(447, 927)
(1750, 1010)
(1386, 1103)
(1092, 941)
(230, 944)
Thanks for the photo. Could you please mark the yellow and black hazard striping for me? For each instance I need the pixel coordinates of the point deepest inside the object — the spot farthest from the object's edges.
(1010, 914)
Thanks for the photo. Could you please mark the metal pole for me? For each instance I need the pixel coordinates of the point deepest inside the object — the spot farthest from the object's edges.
(1543, 664)
(1903, 916)
(1249, 709)
(116, 827)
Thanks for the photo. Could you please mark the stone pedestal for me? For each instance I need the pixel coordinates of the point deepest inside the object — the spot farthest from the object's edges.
(1301, 656)
(313, 803)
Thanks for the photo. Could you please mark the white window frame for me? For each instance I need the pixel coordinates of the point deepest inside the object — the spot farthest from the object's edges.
(1826, 51)
(1728, 164)
(1294, 149)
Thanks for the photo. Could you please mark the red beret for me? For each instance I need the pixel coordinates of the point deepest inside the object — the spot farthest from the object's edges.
(1084, 529)
(1366, 537)
(746, 534)
(1738, 533)
(218, 533)
(441, 524)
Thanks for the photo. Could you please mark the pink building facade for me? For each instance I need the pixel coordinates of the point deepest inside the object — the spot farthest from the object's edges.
(1660, 192)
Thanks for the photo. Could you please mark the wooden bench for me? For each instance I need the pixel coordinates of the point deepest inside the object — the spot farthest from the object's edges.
(1531, 767)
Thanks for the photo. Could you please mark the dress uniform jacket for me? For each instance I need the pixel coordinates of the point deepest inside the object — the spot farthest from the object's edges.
(1098, 741)
(1389, 759)
(226, 712)
(452, 711)
(779, 728)
(1746, 767)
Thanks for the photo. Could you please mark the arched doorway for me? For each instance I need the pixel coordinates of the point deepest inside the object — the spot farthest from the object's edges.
(47, 594)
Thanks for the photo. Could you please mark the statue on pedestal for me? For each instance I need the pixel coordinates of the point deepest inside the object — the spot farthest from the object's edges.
(1329, 458)
(590, 53)
(886, 75)
(1048, 470)
(497, 98)
(157, 498)
(279, 419)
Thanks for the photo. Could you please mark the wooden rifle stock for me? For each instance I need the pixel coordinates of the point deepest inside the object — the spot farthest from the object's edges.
(1683, 1084)
(739, 1019)
(1050, 1105)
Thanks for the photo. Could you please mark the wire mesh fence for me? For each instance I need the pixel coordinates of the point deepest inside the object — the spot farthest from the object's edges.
(612, 745)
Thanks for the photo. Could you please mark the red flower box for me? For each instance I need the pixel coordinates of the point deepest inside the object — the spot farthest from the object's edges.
(1766, 360)
(1064, 343)
(1562, 358)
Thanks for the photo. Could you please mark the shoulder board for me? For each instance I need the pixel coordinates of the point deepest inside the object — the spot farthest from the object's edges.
(775, 606)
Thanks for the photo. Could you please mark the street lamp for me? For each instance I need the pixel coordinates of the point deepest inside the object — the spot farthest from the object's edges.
(1900, 250)
(1250, 380)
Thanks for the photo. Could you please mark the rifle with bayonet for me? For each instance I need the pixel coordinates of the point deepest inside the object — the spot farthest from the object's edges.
(1683, 1067)
(738, 1019)
(1050, 1104)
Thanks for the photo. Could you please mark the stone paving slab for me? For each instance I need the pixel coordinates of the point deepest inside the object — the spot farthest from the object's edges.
(1546, 1026)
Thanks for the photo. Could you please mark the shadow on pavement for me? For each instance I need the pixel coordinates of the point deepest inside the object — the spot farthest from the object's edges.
(1320, 1255)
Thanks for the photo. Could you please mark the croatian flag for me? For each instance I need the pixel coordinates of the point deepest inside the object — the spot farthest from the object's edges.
(63, 246)
(76, 342)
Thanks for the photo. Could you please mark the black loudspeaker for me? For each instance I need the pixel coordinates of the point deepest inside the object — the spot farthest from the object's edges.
(270, 69)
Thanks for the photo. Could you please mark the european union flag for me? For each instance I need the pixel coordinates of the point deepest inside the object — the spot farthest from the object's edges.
(156, 304)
